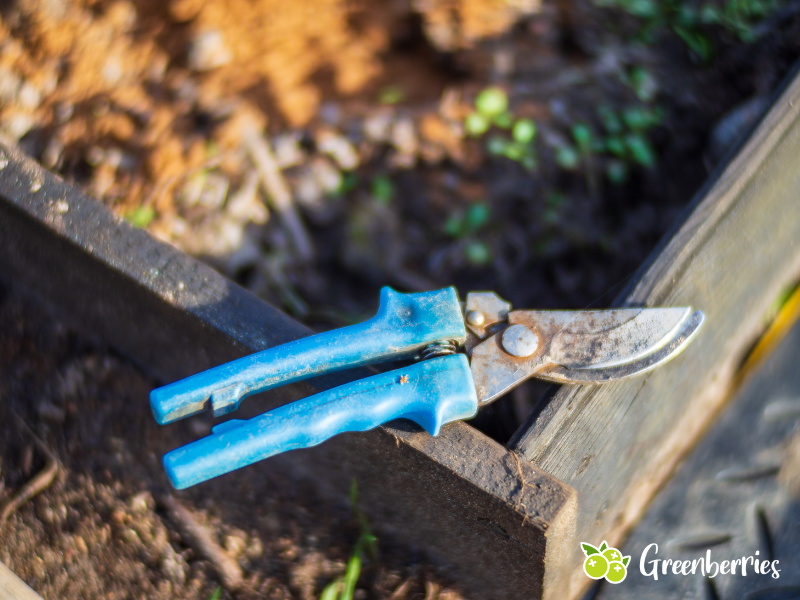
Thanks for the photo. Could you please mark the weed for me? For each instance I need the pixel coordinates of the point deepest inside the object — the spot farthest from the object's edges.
(689, 23)
(141, 216)
(216, 594)
(391, 94)
(491, 110)
(382, 189)
(344, 587)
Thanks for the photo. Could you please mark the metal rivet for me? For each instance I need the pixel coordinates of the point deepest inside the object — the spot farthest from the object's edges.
(475, 317)
(520, 341)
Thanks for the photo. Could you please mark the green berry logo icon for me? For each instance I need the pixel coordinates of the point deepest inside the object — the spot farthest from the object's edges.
(605, 562)
(616, 572)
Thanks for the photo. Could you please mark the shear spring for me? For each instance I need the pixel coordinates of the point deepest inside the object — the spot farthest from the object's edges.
(436, 349)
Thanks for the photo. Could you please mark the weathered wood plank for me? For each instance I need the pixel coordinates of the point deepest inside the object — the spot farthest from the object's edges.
(739, 249)
(497, 521)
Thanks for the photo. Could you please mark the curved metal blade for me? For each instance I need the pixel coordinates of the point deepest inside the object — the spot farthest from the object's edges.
(640, 351)
(584, 347)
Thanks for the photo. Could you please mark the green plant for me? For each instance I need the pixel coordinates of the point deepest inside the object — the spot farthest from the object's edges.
(690, 23)
(141, 216)
(491, 109)
(216, 594)
(642, 82)
(344, 587)
(464, 225)
(391, 94)
(382, 189)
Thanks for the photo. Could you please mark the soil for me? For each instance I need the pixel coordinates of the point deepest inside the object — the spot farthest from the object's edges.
(151, 107)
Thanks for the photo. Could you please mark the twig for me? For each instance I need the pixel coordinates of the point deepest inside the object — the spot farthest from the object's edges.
(402, 590)
(520, 506)
(277, 190)
(39, 483)
(199, 536)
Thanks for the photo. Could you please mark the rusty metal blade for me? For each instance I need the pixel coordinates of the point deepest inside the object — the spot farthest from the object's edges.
(584, 346)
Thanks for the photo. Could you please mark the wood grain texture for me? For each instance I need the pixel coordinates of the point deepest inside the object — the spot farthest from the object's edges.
(13, 588)
(497, 522)
(738, 251)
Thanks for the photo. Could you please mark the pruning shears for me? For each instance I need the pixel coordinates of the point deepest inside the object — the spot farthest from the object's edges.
(468, 355)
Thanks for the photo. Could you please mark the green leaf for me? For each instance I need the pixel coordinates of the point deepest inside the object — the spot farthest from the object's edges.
(478, 253)
(567, 158)
(351, 577)
(503, 120)
(626, 560)
(454, 226)
(615, 146)
(354, 494)
(141, 216)
(603, 546)
(617, 172)
(514, 151)
(216, 594)
(528, 161)
(524, 131)
(477, 216)
(710, 14)
(644, 84)
(588, 549)
(391, 94)
(382, 189)
(582, 135)
(696, 41)
(331, 591)
(640, 118)
(476, 124)
(492, 102)
(497, 146)
(645, 9)
(611, 121)
(641, 150)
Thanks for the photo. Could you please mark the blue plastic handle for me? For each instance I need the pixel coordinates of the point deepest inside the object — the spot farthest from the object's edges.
(404, 324)
(431, 393)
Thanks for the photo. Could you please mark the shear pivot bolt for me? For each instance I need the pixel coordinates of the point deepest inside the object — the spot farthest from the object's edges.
(520, 341)
(475, 317)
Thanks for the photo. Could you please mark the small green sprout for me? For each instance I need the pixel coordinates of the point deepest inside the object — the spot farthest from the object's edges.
(216, 594)
(478, 253)
(503, 120)
(640, 119)
(615, 146)
(462, 224)
(583, 137)
(343, 588)
(476, 124)
(644, 84)
(348, 183)
(492, 102)
(382, 189)
(141, 216)
(567, 157)
(617, 171)
(391, 94)
(524, 131)
(641, 150)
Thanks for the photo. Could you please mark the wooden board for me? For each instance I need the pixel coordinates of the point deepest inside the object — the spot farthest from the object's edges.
(739, 250)
(496, 521)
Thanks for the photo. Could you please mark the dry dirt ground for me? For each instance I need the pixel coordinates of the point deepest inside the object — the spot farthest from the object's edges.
(315, 151)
